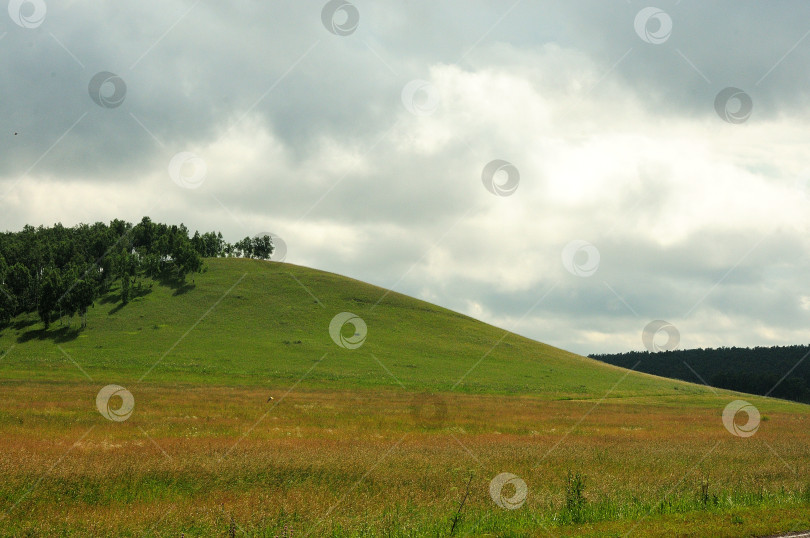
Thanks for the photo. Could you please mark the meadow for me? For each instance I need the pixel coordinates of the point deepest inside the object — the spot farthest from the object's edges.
(249, 420)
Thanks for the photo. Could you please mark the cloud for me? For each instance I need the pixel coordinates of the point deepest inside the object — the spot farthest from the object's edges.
(306, 134)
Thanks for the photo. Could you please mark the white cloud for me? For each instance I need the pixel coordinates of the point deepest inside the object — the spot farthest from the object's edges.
(332, 161)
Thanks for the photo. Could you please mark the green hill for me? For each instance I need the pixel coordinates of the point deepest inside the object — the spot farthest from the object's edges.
(250, 420)
(249, 322)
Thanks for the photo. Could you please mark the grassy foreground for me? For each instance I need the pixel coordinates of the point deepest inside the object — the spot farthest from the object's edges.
(382, 440)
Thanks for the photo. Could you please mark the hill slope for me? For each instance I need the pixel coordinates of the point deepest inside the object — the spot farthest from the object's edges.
(247, 322)
(248, 418)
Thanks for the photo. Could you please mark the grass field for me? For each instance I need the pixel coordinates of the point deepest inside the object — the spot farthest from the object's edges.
(388, 439)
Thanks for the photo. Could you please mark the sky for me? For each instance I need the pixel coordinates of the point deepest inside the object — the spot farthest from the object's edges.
(598, 175)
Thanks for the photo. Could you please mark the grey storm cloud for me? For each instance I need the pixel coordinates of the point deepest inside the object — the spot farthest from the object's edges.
(609, 115)
(192, 81)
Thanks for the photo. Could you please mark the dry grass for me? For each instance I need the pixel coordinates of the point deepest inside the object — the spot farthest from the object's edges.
(190, 459)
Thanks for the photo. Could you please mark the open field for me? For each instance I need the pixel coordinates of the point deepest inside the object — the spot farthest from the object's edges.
(374, 441)
(364, 463)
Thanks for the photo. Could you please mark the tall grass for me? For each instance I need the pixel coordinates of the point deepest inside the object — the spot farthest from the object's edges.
(361, 464)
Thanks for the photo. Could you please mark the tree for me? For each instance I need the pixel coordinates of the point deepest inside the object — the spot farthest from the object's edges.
(244, 247)
(82, 296)
(126, 267)
(151, 265)
(65, 303)
(220, 245)
(125, 290)
(50, 292)
(186, 260)
(106, 273)
(198, 244)
(209, 244)
(8, 305)
(262, 247)
(57, 270)
(20, 284)
(143, 234)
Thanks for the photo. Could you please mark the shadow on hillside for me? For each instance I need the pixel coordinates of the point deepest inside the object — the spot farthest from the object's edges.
(140, 291)
(58, 336)
(109, 298)
(185, 288)
(21, 324)
(134, 294)
(179, 286)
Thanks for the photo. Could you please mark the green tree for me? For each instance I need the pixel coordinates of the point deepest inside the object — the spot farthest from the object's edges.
(58, 270)
(106, 273)
(262, 247)
(245, 247)
(144, 234)
(151, 265)
(8, 305)
(126, 267)
(50, 293)
(82, 296)
(186, 260)
(209, 245)
(20, 284)
(126, 290)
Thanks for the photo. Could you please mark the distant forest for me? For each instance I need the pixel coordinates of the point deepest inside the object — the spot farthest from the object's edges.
(61, 271)
(781, 372)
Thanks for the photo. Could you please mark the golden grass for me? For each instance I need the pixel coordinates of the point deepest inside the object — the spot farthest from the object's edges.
(193, 458)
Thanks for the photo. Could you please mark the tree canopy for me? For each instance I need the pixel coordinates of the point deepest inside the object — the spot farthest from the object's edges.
(779, 371)
(60, 271)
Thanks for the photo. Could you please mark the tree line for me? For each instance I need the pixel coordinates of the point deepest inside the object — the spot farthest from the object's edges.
(780, 371)
(61, 271)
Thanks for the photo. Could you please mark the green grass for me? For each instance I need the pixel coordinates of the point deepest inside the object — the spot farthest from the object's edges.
(269, 330)
(348, 446)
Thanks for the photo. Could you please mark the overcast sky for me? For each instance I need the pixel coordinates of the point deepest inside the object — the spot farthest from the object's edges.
(569, 170)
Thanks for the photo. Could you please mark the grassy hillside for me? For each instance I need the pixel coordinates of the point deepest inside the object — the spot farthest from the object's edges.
(247, 322)
(249, 420)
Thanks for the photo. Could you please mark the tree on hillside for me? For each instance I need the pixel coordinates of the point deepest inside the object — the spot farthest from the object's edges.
(214, 245)
(20, 284)
(67, 279)
(151, 265)
(197, 243)
(143, 234)
(50, 292)
(262, 247)
(8, 305)
(126, 290)
(244, 247)
(106, 273)
(81, 297)
(58, 271)
(187, 260)
(126, 267)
